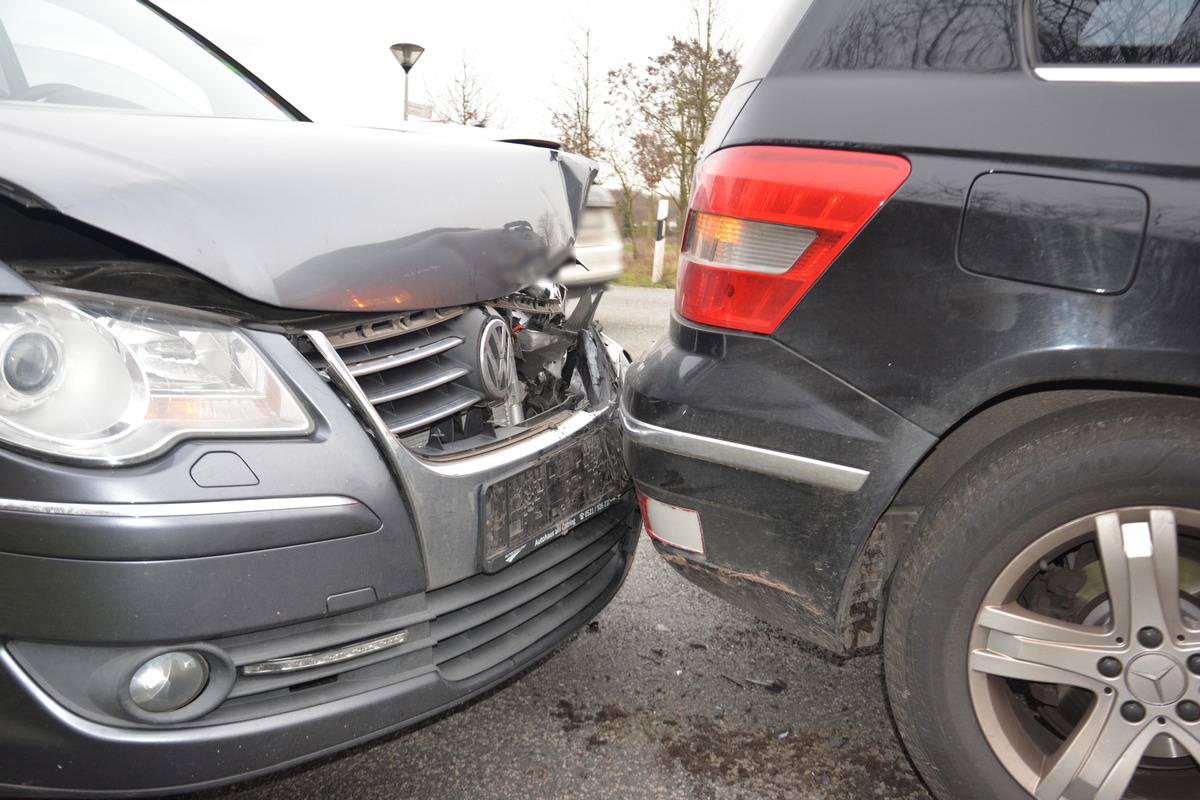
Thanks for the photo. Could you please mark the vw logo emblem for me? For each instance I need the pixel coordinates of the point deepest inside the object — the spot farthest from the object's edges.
(497, 367)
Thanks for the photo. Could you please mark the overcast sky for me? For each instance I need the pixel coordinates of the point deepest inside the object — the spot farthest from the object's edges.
(332, 59)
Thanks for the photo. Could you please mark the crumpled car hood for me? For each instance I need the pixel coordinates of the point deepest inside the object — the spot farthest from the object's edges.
(301, 215)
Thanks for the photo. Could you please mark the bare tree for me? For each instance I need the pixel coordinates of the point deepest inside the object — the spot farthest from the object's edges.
(467, 99)
(620, 162)
(673, 99)
(652, 158)
(582, 120)
(575, 114)
(653, 162)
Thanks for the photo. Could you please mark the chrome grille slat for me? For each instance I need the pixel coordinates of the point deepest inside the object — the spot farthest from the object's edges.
(413, 377)
(404, 424)
(419, 378)
(400, 359)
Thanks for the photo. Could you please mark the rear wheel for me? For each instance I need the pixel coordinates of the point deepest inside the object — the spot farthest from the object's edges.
(1044, 632)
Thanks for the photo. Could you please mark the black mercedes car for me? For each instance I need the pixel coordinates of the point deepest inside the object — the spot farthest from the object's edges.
(297, 444)
(933, 377)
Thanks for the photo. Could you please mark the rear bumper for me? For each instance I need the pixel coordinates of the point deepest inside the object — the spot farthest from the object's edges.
(461, 640)
(787, 467)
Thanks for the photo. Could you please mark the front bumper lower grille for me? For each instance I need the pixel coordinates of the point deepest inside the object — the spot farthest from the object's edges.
(464, 631)
(468, 634)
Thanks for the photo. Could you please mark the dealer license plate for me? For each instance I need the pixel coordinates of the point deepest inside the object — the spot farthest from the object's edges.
(532, 507)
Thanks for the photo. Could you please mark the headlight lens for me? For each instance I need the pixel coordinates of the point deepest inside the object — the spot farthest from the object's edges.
(31, 366)
(101, 381)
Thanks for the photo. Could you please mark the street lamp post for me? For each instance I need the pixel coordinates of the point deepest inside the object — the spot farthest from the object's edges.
(407, 54)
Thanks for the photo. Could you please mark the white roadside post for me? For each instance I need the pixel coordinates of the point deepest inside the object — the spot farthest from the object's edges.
(660, 233)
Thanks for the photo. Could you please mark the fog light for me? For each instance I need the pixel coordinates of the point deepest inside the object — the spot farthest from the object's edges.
(678, 527)
(169, 681)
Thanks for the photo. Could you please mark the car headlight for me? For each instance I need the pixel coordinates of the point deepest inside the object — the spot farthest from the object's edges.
(96, 380)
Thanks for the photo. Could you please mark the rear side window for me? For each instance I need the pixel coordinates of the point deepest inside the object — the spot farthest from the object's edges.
(949, 35)
(1118, 31)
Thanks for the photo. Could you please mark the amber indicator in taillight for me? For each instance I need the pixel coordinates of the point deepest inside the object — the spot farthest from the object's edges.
(764, 224)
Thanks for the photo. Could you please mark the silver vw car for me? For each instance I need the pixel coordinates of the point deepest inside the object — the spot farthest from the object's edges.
(297, 444)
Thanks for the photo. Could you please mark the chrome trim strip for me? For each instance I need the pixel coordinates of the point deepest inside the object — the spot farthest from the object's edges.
(340, 376)
(517, 452)
(1112, 74)
(278, 666)
(742, 456)
(195, 509)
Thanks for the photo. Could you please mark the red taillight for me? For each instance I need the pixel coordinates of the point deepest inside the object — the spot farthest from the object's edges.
(764, 224)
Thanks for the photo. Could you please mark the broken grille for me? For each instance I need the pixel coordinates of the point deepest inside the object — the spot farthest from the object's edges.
(410, 368)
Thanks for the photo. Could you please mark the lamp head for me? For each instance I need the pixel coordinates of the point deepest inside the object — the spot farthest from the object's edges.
(407, 54)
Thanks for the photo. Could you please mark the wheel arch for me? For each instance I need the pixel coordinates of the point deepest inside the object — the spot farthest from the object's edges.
(864, 597)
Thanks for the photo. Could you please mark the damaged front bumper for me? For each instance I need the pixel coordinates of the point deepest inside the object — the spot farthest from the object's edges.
(522, 440)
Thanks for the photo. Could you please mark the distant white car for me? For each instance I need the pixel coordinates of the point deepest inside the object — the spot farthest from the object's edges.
(599, 248)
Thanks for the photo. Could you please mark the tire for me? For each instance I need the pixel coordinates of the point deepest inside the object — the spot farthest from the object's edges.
(1001, 637)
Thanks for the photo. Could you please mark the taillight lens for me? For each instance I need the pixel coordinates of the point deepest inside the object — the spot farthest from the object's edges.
(764, 224)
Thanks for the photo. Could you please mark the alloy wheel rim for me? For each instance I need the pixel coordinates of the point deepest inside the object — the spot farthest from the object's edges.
(1130, 645)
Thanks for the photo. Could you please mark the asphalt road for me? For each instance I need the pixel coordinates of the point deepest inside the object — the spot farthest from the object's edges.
(669, 693)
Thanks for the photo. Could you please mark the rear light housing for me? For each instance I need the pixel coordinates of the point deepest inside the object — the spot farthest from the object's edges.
(766, 221)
